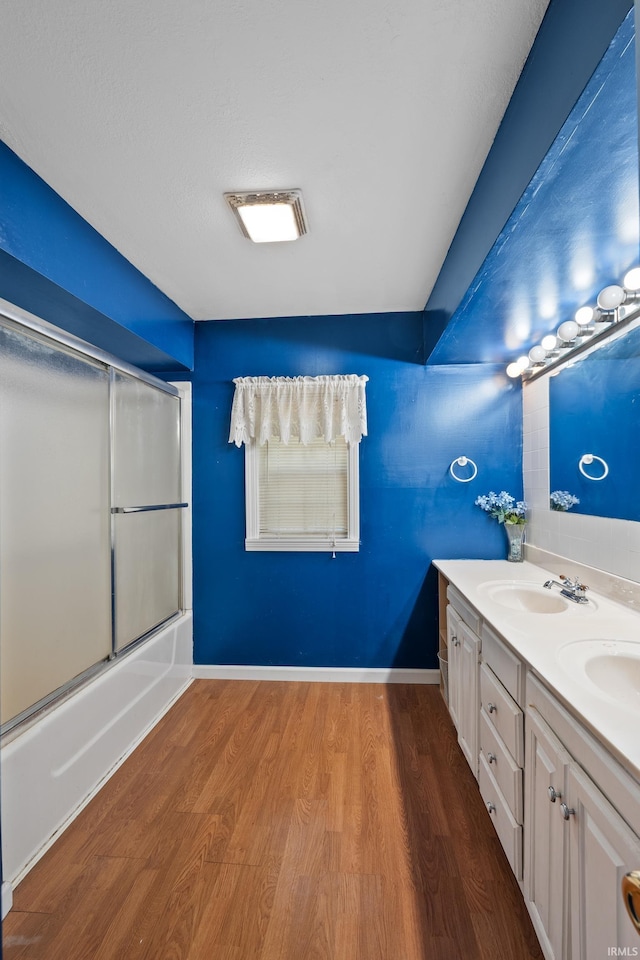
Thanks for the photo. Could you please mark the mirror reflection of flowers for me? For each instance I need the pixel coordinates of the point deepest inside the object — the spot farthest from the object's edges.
(562, 500)
(503, 507)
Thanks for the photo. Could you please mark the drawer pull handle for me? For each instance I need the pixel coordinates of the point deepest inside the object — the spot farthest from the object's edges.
(554, 794)
(491, 708)
(491, 757)
(491, 807)
(455, 641)
(566, 811)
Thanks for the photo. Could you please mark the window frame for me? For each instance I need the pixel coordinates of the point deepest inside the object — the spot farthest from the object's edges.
(255, 542)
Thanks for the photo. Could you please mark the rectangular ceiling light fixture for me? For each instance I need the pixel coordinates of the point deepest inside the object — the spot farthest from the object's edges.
(269, 217)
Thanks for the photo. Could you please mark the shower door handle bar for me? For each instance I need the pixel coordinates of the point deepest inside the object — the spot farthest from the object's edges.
(146, 509)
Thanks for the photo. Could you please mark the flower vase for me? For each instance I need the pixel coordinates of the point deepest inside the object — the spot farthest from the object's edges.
(515, 536)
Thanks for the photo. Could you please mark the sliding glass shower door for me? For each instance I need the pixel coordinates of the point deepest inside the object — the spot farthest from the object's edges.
(55, 584)
(147, 508)
(90, 512)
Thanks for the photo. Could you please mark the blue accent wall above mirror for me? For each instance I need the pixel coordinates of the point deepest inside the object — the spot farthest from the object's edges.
(574, 231)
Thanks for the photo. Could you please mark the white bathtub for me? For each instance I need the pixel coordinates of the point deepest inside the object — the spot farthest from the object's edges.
(52, 770)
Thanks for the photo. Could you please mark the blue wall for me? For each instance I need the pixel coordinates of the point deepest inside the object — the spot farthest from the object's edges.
(572, 39)
(55, 265)
(573, 232)
(378, 607)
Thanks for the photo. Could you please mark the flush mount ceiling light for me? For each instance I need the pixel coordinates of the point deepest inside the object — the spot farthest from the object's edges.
(269, 217)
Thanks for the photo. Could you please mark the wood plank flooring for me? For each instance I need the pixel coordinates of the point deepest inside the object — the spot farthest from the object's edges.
(281, 821)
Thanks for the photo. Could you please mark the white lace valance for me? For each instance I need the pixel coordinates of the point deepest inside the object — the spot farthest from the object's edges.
(298, 408)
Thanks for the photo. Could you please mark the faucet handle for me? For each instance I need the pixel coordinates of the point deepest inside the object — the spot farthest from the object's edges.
(574, 583)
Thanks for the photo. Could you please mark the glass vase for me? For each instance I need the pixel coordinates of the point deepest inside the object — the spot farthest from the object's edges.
(515, 538)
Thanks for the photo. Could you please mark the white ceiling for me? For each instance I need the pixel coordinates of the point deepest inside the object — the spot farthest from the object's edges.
(142, 114)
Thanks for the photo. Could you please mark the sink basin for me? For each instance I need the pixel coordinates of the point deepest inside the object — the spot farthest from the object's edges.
(524, 596)
(610, 667)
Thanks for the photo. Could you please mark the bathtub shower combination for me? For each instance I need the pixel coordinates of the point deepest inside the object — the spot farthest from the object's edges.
(94, 639)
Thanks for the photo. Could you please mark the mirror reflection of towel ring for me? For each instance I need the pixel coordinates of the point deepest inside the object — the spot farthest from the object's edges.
(589, 458)
(463, 462)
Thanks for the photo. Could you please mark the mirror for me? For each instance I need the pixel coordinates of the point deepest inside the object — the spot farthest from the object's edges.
(594, 409)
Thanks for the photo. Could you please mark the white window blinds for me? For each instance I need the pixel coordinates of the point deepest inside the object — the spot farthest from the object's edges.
(303, 489)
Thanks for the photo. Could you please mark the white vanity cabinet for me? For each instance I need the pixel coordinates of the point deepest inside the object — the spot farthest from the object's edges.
(558, 763)
(546, 841)
(464, 664)
(602, 848)
(502, 743)
(578, 845)
(486, 689)
(454, 627)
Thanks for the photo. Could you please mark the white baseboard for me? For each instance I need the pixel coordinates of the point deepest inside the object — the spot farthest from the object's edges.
(7, 899)
(316, 674)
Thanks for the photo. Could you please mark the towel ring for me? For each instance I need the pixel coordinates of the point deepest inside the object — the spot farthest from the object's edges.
(589, 458)
(462, 462)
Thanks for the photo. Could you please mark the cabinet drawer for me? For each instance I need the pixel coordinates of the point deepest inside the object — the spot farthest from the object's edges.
(507, 773)
(509, 832)
(503, 712)
(508, 668)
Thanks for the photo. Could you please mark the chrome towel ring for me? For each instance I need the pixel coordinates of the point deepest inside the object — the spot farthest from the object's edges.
(463, 462)
(588, 458)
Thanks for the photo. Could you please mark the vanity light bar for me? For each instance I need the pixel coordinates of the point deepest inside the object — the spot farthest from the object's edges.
(618, 307)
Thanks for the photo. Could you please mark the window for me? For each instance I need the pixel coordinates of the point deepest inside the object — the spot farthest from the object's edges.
(302, 496)
(301, 438)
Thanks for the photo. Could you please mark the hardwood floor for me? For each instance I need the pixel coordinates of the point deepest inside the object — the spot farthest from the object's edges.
(281, 821)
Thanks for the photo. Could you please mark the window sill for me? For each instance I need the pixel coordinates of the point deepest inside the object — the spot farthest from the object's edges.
(302, 545)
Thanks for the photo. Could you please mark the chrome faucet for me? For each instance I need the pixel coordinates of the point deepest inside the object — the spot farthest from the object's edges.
(572, 589)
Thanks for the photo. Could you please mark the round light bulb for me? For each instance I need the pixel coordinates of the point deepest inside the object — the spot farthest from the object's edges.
(549, 342)
(523, 362)
(584, 316)
(632, 279)
(513, 370)
(611, 297)
(568, 330)
(537, 354)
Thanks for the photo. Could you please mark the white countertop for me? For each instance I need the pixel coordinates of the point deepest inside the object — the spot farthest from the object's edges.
(537, 638)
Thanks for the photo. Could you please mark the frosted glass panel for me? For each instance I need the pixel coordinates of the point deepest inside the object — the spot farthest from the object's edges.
(55, 587)
(146, 472)
(146, 571)
(146, 444)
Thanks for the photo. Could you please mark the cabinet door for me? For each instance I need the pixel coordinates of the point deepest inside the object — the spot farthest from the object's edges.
(545, 835)
(602, 849)
(469, 697)
(454, 627)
